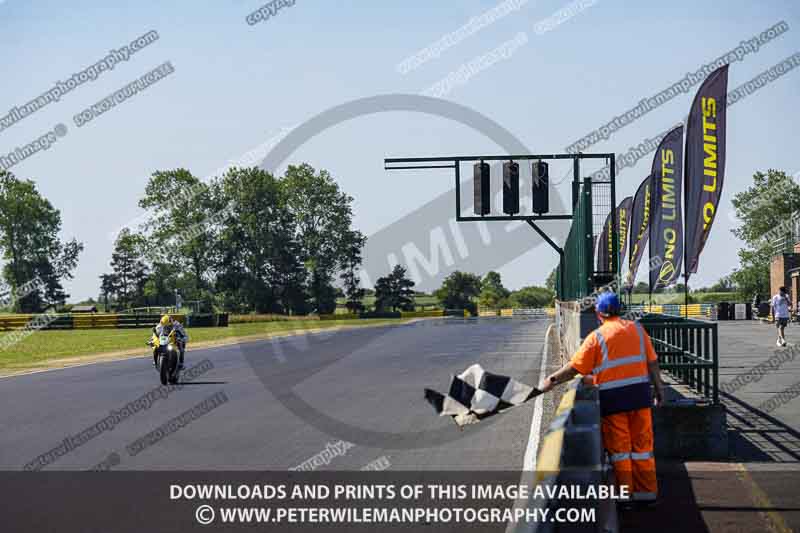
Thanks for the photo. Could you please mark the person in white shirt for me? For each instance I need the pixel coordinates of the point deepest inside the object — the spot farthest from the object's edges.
(780, 311)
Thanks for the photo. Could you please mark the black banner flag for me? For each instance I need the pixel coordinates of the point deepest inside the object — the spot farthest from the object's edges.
(604, 246)
(666, 230)
(705, 162)
(641, 209)
(605, 243)
(623, 223)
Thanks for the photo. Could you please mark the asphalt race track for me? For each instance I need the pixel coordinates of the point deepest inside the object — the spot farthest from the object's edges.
(286, 401)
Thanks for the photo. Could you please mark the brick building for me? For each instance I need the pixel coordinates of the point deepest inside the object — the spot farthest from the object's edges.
(784, 269)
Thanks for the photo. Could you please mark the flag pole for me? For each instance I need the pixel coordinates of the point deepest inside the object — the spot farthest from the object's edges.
(685, 287)
(685, 218)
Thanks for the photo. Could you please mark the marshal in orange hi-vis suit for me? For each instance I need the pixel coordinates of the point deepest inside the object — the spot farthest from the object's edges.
(617, 354)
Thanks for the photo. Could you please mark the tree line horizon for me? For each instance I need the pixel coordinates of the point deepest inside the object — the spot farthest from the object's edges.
(248, 241)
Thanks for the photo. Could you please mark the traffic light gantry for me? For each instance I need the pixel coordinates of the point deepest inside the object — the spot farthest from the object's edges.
(540, 186)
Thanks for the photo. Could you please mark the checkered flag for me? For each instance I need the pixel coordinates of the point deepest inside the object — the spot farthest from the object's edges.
(476, 394)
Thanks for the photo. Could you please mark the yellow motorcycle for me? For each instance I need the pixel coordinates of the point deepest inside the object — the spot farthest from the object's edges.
(166, 354)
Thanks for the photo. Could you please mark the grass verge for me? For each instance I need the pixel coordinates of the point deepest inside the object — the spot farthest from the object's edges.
(62, 348)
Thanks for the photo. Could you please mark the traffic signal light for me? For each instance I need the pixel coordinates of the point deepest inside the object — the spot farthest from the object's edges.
(510, 188)
(541, 191)
(480, 184)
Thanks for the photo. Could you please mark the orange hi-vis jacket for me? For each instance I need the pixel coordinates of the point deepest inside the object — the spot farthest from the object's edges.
(617, 354)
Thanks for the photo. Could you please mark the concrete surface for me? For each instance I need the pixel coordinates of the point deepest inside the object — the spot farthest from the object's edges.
(758, 488)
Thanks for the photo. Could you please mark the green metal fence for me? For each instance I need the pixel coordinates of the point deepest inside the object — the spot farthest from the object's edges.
(577, 267)
(688, 350)
(594, 201)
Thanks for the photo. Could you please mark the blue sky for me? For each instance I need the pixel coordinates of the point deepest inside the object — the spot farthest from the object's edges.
(236, 85)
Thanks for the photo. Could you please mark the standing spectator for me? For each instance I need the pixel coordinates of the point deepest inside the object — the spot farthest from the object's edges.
(780, 312)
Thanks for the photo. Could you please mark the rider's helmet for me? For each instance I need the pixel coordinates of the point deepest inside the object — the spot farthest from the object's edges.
(165, 320)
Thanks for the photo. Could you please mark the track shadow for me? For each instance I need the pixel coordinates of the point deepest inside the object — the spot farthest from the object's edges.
(755, 435)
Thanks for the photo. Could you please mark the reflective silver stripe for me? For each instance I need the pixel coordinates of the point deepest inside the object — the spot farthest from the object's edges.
(623, 382)
(604, 348)
(640, 456)
(620, 456)
(621, 361)
(644, 496)
(607, 363)
(640, 331)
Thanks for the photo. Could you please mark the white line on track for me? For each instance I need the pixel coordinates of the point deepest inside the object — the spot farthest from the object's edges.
(532, 451)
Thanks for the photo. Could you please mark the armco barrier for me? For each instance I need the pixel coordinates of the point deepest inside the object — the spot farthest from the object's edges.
(701, 310)
(141, 321)
(339, 316)
(252, 318)
(109, 321)
(514, 312)
(386, 314)
(422, 314)
(207, 320)
(535, 311)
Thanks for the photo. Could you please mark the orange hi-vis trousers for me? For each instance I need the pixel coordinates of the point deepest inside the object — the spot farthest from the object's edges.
(628, 438)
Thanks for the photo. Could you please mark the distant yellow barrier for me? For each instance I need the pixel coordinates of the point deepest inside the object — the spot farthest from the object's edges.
(339, 316)
(84, 320)
(422, 314)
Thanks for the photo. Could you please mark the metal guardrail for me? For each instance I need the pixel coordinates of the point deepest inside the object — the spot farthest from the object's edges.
(701, 310)
(105, 321)
(514, 312)
(688, 349)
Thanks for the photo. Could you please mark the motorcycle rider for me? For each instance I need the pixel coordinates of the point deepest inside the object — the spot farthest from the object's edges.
(167, 324)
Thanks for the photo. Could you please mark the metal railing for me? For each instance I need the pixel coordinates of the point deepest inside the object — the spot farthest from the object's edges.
(701, 310)
(688, 350)
(594, 203)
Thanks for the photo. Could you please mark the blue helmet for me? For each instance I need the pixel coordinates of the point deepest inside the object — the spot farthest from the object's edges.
(608, 303)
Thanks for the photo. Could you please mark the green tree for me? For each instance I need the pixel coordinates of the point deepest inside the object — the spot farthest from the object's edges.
(531, 297)
(159, 289)
(323, 216)
(679, 288)
(128, 269)
(725, 284)
(109, 287)
(766, 210)
(493, 295)
(36, 260)
(351, 263)
(394, 291)
(183, 219)
(752, 276)
(641, 288)
(550, 282)
(259, 266)
(459, 290)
